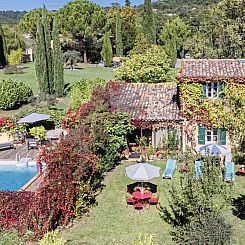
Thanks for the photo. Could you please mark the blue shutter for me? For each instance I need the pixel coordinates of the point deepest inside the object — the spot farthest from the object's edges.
(201, 136)
(222, 136)
(204, 88)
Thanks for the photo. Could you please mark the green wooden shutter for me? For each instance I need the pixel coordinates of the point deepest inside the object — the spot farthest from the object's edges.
(204, 88)
(201, 136)
(222, 136)
(221, 87)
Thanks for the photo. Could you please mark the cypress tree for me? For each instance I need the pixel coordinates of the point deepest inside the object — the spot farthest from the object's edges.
(40, 61)
(107, 50)
(49, 52)
(127, 3)
(3, 51)
(43, 56)
(57, 61)
(149, 28)
(119, 42)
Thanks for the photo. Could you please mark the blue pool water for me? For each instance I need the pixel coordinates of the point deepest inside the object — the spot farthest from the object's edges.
(12, 178)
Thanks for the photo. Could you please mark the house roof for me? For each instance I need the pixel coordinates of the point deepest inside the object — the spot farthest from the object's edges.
(147, 102)
(212, 69)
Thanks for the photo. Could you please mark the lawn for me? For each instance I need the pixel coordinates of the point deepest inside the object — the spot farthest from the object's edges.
(70, 76)
(111, 222)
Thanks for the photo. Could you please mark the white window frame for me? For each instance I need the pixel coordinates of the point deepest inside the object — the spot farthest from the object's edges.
(212, 135)
(214, 94)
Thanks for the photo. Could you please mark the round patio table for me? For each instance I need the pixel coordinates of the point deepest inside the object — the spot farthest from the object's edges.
(141, 196)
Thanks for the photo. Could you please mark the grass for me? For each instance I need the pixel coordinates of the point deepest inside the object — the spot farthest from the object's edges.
(70, 76)
(111, 222)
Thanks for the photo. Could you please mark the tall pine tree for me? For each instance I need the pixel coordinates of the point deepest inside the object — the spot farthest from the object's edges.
(57, 61)
(44, 56)
(107, 50)
(149, 28)
(3, 52)
(119, 42)
(127, 3)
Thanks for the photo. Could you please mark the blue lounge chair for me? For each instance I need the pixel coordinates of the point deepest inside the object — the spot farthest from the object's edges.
(169, 169)
(229, 172)
(198, 169)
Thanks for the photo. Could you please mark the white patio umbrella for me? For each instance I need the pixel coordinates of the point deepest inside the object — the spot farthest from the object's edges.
(213, 149)
(34, 117)
(142, 171)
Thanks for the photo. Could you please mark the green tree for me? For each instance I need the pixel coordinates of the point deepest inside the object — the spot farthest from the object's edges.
(151, 66)
(220, 33)
(175, 31)
(107, 50)
(192, 199)
(130, 22)
(14, 37)
(119, 43)
(85, 21)
(127, 3)
(3, 51)
(44, 58)
(57, 61)
(149, 28)
(28, 22)
(140, 45)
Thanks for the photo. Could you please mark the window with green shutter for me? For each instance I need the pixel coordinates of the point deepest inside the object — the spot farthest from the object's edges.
(221, 90)
(204, 88)
(222, 136)
(201, 135)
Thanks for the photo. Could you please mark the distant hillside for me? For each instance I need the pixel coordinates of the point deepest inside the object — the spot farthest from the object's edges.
(173, 4)
(183, 8)
(10, 16)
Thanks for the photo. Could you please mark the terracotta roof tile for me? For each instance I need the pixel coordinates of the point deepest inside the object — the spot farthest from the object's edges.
(212, 69)
(146, 102)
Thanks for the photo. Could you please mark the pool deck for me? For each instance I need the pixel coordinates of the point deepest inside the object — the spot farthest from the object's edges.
(21, 151)
(33, 184)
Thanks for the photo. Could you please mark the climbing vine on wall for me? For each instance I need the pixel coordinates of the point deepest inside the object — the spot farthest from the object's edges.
(227, 112)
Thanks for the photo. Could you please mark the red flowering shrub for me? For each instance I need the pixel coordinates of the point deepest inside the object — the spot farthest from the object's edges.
(74, 169)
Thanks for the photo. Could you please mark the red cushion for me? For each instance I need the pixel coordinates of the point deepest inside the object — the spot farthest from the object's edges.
(131, 200)
(153, 200)
(138, 206)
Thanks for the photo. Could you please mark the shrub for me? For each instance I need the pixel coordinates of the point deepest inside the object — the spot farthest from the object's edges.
(15, 57)
(194, 197)
(151, 67)
(38, 132)
(13, 94)
(209, 229)
(81, 91)
(52, 238)
(10, 237)
(13, 69)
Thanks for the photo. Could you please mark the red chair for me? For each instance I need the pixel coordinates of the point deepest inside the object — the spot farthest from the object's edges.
(130, 201)
(154, 200)
(138, 206)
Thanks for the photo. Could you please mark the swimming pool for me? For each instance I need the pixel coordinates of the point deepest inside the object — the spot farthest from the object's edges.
(12, 178)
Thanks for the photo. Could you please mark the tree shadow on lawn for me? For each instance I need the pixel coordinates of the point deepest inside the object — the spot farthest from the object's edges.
(239, 207)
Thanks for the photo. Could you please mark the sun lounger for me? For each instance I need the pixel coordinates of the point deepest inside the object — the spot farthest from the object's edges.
(229, 172)
(169, 169)
(198, 170)
(6, 146)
